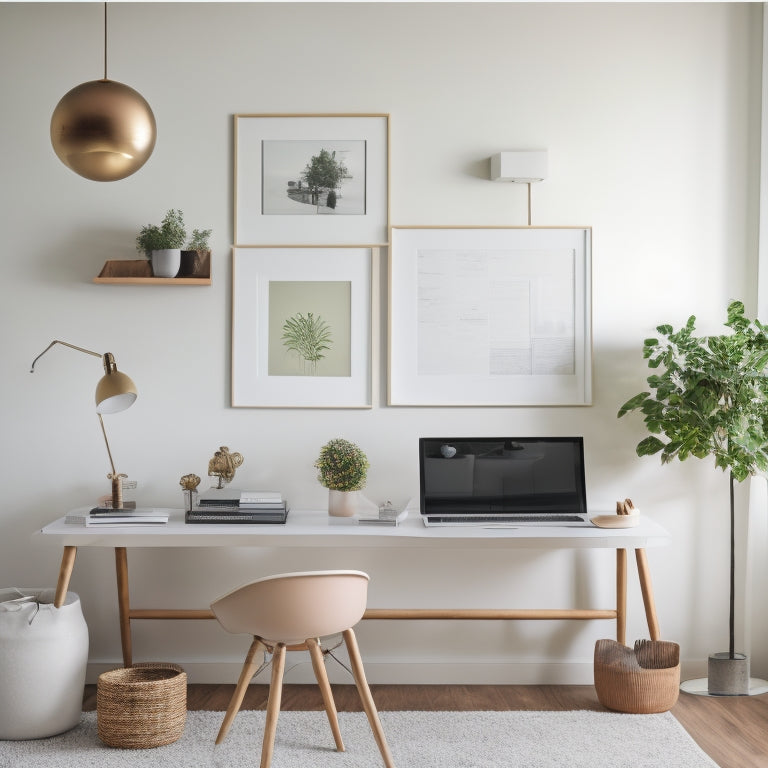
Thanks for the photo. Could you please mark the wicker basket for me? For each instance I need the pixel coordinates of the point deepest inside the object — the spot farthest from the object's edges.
(141, 706)
(642, 681)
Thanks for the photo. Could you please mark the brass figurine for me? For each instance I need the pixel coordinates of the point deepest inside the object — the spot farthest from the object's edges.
(223, 465)
(189, 482)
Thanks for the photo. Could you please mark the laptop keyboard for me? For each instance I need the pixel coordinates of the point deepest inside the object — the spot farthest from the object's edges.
(505, 518)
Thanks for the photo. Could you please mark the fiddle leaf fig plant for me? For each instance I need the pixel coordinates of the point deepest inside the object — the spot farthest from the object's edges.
(709, 398)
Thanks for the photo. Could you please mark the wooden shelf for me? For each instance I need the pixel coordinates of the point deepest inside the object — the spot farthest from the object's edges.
(139, 272)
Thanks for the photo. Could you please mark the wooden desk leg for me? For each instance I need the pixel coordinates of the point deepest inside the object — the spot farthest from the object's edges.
(65, 573)
(621, 596)
(124, 603)
(647, 588)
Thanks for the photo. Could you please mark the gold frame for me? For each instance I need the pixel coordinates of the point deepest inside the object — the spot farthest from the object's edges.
(367, 390)
(377, 177)
(405, 386)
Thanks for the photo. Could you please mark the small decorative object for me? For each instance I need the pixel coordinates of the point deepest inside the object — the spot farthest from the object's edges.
(141, 706)
(223, 465)
(189, 485)
(196, 257)
(343, 471)
(447, 451)
(627, 516)
(710, 399)
(162, 244)
(642, 681)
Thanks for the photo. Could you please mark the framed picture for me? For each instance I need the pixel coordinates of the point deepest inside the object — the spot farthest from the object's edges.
(311, 179)
(489, 316)
(301, 327)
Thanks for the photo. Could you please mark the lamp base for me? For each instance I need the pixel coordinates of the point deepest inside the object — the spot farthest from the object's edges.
(728, 675)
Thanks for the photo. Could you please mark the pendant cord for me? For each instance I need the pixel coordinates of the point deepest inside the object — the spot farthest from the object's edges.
(105, 41)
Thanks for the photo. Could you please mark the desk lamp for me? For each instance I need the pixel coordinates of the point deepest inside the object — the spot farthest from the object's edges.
(114, 393)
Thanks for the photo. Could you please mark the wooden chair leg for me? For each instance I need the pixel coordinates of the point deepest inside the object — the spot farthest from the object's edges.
(246, 675)
(273, 705)
(321, 676)
(365, 696)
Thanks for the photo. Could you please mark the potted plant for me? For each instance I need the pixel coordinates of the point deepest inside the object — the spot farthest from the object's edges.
(196, 256)
(162, 244)
(343, 470)
(710, 398)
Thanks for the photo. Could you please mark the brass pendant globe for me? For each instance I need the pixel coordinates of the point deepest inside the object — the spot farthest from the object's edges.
(103, 130)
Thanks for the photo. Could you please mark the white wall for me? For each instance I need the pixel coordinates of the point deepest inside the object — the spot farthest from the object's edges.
(650, 114)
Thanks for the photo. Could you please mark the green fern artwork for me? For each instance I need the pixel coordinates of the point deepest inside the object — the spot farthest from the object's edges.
(309, 337)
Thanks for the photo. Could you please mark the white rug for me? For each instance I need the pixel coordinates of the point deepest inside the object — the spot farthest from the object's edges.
(581, 739)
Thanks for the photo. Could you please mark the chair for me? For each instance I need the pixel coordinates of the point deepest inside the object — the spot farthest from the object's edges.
(291, 612)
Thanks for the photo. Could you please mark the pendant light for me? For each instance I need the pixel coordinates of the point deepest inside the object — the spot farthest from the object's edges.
(103, 130)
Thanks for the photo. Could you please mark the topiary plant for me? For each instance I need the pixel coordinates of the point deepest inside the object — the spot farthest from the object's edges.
(343, 466)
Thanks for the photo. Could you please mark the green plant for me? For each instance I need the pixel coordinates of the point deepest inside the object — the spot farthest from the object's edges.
(309, 337)
(199, 240)
(343, 466)
(170, 234)
(710, 398)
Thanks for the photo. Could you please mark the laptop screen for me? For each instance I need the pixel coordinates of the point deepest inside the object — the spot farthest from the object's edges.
(502, 475)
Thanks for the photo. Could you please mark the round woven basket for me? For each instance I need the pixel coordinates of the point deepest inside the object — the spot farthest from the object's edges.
(640, 681)
(141, 706)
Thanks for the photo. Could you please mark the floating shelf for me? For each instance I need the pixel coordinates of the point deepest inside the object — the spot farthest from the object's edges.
(139, 272)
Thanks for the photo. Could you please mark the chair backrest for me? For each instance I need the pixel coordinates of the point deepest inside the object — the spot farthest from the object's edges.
(293, 607)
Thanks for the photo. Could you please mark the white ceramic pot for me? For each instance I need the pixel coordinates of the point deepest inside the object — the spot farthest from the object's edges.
(43, 656)
(166, 263)
(342, 503)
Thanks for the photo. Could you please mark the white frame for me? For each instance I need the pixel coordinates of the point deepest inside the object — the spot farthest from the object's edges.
(478, 387)
(252, 227)
(252, 269)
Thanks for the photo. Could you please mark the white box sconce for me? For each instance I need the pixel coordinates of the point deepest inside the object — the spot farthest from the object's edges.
(522, 167)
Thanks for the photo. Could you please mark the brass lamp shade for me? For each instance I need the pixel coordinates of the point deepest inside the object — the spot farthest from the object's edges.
(114, 393)
(103, 130)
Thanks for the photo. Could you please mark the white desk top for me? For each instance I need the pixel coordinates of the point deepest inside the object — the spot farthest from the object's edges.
(311, 528)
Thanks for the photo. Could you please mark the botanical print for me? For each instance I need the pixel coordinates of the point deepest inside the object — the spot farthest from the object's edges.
(309, 328)
(313, 177)
(309, 337)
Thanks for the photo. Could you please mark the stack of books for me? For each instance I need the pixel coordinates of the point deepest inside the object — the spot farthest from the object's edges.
(225, 505)
(130, 516)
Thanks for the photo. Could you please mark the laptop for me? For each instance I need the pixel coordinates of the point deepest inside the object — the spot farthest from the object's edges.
(502, 481)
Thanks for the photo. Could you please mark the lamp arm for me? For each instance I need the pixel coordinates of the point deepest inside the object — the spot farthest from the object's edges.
(66, 344)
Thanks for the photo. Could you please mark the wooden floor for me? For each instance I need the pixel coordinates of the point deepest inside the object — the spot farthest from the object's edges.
(732, 730)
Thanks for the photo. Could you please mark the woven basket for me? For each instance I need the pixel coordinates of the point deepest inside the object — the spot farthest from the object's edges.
(141, 706)
(642, 681)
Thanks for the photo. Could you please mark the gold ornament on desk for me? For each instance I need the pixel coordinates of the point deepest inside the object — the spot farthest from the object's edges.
(189, 482)
(223, 465)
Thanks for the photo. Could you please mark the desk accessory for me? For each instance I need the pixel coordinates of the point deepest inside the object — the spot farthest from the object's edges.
(115, 392)
(223, 465)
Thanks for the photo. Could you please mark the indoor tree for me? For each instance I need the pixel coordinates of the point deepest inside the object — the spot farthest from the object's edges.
(709, 398)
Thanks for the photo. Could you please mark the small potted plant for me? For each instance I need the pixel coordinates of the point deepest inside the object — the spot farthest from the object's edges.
(196, 256)
(343, 471)
(162, 244)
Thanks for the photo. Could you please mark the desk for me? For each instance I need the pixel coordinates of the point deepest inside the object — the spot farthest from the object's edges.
(313, 529)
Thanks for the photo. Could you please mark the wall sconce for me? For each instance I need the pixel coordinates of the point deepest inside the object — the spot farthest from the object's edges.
(520, 167)
(114, 393)
(103, 130)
